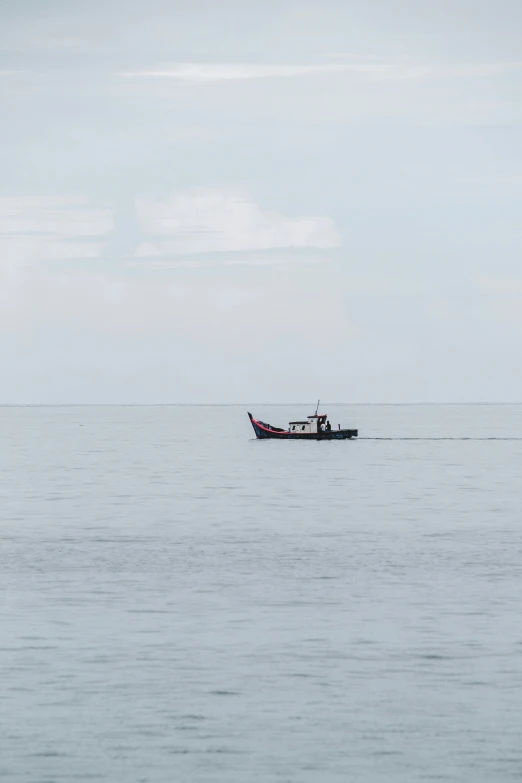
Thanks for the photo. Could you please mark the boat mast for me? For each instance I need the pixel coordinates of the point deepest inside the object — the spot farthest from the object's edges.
(317, 409)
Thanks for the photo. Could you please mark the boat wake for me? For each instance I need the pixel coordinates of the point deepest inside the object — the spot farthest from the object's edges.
(441, 438)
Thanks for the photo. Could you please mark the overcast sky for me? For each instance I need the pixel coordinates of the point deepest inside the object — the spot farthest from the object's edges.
(260, 201)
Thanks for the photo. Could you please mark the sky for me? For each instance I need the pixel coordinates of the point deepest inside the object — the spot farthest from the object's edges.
(228, 202)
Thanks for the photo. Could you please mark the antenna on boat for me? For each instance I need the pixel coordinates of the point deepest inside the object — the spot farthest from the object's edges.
(317, 409)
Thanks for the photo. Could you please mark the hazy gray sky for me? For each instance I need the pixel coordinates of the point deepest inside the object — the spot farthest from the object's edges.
(268, 201)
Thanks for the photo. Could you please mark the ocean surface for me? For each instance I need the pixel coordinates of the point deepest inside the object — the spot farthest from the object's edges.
(182, 603)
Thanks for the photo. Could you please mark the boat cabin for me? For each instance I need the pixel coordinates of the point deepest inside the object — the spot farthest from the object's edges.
(313, 424)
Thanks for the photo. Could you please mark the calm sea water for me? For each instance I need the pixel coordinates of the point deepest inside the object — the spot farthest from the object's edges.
(180, 602)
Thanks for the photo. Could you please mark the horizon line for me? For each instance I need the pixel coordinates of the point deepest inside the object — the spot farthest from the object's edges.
(241, 404)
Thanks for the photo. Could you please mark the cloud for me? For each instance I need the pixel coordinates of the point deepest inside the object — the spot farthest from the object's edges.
(214, 220)
(216, 73)
(38, 229)
(372, 68)
(155, 261)
(148, 257)
(66, 217)
(224, 312)
(500, 286)
(205, 73)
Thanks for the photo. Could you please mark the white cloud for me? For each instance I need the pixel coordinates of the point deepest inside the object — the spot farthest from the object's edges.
(66, 217)
(212, 220)
(37, 229)
(372, 68)
(237, 259)
(500, 286)
(213, 73)
(222, 313)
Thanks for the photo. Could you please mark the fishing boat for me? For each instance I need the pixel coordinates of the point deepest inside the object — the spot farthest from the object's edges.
(316, 427)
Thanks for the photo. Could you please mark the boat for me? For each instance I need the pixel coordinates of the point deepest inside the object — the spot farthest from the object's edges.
(316, 427)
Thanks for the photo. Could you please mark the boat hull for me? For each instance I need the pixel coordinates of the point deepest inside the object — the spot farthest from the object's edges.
(264, 431)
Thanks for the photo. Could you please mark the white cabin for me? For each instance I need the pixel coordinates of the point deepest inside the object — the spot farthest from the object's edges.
(312, 424)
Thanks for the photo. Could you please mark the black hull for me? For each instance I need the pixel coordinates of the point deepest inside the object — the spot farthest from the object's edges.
(264, 431)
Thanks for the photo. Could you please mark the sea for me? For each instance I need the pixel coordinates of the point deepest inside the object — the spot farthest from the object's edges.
(181, 603)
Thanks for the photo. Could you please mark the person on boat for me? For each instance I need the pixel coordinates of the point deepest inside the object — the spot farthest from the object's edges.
(322, 425)
(328, 426)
